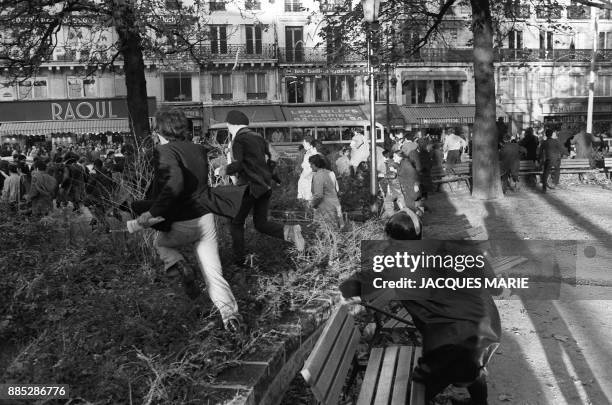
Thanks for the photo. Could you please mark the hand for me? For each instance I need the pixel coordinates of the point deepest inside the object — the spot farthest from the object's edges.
(146, 220)
(350, 301)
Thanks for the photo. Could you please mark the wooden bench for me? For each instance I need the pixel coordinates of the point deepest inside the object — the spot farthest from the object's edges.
(388, 373)
(459, 172)
(576, 166)
(607, 166)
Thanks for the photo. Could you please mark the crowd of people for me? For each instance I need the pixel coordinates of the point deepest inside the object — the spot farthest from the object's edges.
(82, 174)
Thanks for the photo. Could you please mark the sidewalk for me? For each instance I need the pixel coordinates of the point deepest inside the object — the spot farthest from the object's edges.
(552, 352)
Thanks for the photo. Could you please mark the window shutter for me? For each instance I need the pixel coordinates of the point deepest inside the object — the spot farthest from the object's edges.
(223, 39)
(216, 84)
(214, 38)
(511, 43)
(249, 39)
(258, 39)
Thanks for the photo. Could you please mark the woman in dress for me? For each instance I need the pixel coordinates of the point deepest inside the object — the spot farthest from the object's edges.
(325, 192)
(305, 180)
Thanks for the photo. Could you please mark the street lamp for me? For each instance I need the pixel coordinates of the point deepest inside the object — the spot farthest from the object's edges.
(370, 15)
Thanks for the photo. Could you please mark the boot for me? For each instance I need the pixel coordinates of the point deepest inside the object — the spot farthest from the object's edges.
(187, 276)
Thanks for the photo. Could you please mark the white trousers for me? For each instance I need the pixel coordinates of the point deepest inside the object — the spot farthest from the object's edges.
(202, 233)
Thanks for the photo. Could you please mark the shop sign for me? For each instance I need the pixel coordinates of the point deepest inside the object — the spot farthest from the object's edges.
(325, 71)
(575, 108)
(68, 110)
(325, 114)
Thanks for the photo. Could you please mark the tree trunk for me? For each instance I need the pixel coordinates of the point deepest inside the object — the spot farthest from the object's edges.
(485, 164)
(130, 44)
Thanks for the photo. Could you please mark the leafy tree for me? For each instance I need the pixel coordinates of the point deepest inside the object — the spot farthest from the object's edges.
(490, 22)
(105, 33)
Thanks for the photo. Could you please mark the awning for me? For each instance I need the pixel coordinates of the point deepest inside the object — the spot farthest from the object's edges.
(326, 114)
(74, 126)
(441, 114)
(396, 119)
(439, 74)
(259, 113)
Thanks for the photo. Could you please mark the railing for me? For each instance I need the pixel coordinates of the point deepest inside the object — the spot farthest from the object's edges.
(548, 13)
(293, 6)
(315, 55)
(540, 55)
(252, 5)
(517, 11)
(229, 52)
(578, 13)
(330, 6)
(257, 96)
(222, 96)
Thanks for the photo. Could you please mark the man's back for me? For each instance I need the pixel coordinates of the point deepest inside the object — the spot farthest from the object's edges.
(249, 151)
(551, 149)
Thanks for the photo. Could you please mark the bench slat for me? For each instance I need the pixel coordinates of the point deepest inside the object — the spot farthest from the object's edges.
(313, 366)
(370, 379)
(402, 377)
(385, 382)
(395, 324)
(344, 365)
(334, 360)
(417, 389)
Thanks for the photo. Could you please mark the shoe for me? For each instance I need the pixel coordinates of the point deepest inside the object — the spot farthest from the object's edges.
(293, 233)
(234, 324)
(188, 278)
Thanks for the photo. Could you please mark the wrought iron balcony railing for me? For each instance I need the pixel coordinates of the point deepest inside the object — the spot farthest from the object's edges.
(257, 96)
(238, 52)
(316, 55)
(552, 55)
(222, 96)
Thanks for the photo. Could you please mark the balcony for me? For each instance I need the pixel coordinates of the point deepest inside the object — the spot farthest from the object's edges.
(578, 13)
(293, 6)
(517, 11)
(548, 13)
(257, 96)
(316, 55)
(436, 55)
(551, 55)
(229, 52)
(221, 96)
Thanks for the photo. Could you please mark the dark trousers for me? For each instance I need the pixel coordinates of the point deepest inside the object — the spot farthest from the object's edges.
(554, 166)
(452, 158)
(260, 220)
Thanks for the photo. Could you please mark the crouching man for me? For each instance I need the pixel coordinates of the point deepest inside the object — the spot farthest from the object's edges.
(176, 195)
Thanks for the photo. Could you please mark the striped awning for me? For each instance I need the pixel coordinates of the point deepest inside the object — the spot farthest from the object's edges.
(441, 114)
(32, 128)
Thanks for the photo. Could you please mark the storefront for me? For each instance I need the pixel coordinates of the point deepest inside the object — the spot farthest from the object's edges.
(324, 85)
(66, 121)
(571, 114)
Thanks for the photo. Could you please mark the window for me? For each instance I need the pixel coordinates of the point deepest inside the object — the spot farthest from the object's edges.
(605, 40)
(515, 39)
(216, 6)
(293, 5)
(252, 5)
(78, 87)
(177, 87)
(32, 89)
(173, 4)
(548, 11)
(334, 45)
(578, 85)
(603, 85)
(545, 85)
(120, 87)
(335, 88)
(577, 11)
(605, 14)
(380, 92)
(546, 44)
(256, 86)
(218, 39)
(295, 89)
(253, 39)
(294, 44)
(7, 91)
(516, 87)
(431, 91)
(221, 87)
(330, 6)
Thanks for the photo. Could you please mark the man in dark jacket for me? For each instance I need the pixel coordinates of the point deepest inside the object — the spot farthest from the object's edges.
(250, 167)
(181, 179)
(510, 162)
(551, 152)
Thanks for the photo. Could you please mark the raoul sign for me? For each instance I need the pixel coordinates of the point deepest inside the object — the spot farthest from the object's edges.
(84, 110)
(68, 110)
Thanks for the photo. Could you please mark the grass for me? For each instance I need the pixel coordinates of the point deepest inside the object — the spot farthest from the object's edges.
(91, 309)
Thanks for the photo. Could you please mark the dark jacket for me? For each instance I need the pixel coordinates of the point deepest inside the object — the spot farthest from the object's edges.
(510, 157)
(180, 176)
(551, 149)
(250, 151)
(530, 142)
(408, 176)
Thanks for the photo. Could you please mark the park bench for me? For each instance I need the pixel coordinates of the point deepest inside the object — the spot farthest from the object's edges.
(388, 374)
(461, 172)
(576, 166)
(607, 166)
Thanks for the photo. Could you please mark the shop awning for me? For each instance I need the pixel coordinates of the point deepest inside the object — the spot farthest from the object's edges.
(396, 119)
(259, 113)
(439, 74)
(441, 114)
(73, 126)
(325, 114)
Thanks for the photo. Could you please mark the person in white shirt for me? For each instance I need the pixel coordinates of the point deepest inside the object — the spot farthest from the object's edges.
(453, 146)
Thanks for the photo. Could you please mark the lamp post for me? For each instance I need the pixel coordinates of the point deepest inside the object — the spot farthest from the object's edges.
(370, 15)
